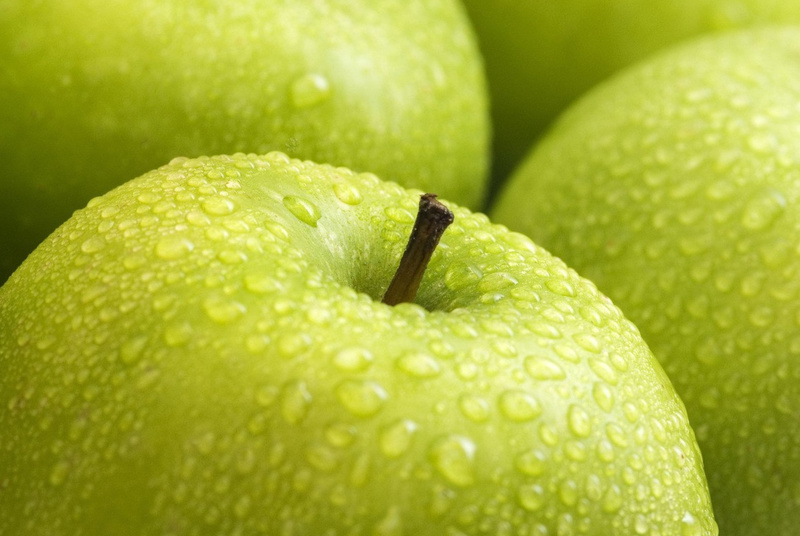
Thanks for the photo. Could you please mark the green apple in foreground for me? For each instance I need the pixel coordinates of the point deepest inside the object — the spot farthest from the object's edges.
(203, 350)
(541, 55)
(96, 92)
(675, 188)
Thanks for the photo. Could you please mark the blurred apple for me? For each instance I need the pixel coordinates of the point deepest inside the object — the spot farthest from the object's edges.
(676, 188)
(94, 92)
(540, 55)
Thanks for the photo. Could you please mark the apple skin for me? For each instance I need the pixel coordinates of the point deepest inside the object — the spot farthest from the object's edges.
(674, 187)
(201, 351)
(540, 56)
(95, 92)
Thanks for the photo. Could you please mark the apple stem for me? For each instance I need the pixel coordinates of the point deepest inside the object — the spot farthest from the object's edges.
(432, 220)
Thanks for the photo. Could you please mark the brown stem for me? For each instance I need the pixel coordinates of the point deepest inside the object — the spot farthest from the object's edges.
(432, 220)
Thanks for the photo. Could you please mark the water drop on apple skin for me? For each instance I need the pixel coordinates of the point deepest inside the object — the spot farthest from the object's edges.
(303, 209)
(454, 458)
(309, 90)
(361, 398)
(395, 439)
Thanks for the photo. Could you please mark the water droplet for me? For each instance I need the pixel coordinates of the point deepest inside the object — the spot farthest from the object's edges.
(764, 209)
(531, 497)
(532, 462)
(461, 275)
(309, 90)
(616, 434)
(93, 244)
(519, 406)
(390, 525)
(347, 193)
(59, 473)
(295, 402)
(603, 370)
(690, 526)
(131, 350)
(340, 435)
(588, 342)
(178, 334)
(173, 247)
(543, 368)
(266, 395)
(612, 501)
(218, 206)
(560, 287)
(395, 439)
(242, 506)
(361, 398)
(353, 359)
(292, 345)
(322, 457)
(474, 407)
(418, 365)
(453, 457)
(603, 395)
(496, 281)
(579, 421)
(223, 311)
(305, 211)
(261, 284)
(399, 215)
(568, 492)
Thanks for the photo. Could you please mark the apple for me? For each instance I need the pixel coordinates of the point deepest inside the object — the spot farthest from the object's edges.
(95, 92)
(205, 350)
(540, 56)
(675, 188)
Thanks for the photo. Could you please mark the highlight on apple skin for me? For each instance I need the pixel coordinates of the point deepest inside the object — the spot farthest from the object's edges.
(202, 351)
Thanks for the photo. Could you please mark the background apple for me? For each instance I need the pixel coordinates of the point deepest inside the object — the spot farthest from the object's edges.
(96, 91)
(202, 351)
(675, 188)
(540, 56)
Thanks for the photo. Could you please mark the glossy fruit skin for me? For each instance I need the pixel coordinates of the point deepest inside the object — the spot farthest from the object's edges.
(95, 92)
(200, 351)
(674, 187)
(540, 56)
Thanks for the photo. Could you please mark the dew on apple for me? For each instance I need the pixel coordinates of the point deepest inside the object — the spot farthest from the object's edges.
(418, 365)
(131, 350)
(543, 368)
(223, 311)
(579, 421)
(295, 401)
(519, 406)
(303, 209)
(309, 90)
(474, 407)
(603, 395)
(362, 398)
(764, 209)
(531, 497)
(173, 247)
(347, 193)
(453, 457)
(218, 206)
(93, 245)
(395, 439)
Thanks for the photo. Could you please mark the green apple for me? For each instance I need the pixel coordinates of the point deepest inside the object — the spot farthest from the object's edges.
(203, 350)
(540, 55)
(675, 188)
(95, 92)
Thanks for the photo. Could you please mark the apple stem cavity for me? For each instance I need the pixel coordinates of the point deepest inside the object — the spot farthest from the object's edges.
(432, 220)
